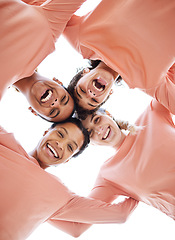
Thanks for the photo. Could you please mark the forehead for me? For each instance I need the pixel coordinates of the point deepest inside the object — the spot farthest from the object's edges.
(71, 131)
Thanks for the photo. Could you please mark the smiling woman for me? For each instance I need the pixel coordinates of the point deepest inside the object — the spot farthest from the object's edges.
(80, 175)
(91, 87)
(61, 142)
(49, 99)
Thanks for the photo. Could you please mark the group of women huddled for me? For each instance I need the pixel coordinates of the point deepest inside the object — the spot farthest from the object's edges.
(130, 41)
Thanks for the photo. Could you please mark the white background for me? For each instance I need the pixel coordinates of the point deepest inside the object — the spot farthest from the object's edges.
(79, 174)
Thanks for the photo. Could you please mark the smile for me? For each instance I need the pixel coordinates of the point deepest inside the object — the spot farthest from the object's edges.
(46, 96)
(52, 150)
(99, 84)
(108, 130)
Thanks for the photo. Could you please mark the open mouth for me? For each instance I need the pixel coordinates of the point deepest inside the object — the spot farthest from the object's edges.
(106, 135)
(52, 150)
(99, 84)
(46, 96)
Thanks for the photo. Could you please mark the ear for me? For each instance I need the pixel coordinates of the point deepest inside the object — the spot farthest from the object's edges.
(86, 70)
(45, 132)
(111, 92)
(57, 81)
(33, 111)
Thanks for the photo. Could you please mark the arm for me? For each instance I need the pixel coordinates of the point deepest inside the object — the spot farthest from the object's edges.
(58, 13)
(107, 194)
(165, 92)
(34, 2)
(72, 35)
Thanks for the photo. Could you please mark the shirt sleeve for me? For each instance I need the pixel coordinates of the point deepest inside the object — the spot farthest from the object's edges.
(34, 2)
(72, 35)
(94, 210)
(58, 13)
(165, 91)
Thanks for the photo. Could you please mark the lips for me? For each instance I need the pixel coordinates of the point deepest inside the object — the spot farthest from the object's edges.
(99, 84)
(52, 150)
(106, 134)
(46, 96)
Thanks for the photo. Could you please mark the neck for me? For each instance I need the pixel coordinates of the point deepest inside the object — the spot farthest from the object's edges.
(34, 155)
(24, 85)
(123, 136)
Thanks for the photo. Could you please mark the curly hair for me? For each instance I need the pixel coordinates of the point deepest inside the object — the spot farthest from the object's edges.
(82, 112)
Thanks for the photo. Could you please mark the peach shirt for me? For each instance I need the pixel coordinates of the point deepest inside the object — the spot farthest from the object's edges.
(142, 168)
(31, 196)
(28, 34)
(135, 38)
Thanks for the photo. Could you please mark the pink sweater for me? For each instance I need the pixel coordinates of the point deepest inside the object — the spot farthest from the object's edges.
(143, 167)
(31, 196)
(135, 38)
(28, 34)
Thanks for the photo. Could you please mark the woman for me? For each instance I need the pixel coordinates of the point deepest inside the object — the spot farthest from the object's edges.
(135, 39)
(31, 196)
(143, 166)
(28, 35)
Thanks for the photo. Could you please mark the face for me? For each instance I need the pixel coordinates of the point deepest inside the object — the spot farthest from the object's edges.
(94, 86)
(59, 144)
(50, 100)
(103, 130)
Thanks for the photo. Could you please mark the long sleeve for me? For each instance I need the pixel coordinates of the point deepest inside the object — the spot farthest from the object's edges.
(165, 91)
(72, 35)
(121, 35)
(106, 193)
(34, 2)
(29, 32)
(58, 13)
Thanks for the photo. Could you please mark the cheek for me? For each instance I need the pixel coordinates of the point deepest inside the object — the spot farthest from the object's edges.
(95, 140)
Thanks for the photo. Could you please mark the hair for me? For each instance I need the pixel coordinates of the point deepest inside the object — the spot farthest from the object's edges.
(82, 112)
(78, 123)
(125, 125)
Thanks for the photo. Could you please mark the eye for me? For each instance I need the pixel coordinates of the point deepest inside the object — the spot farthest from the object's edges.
(82, 90)
(60, 134)
(96, 120)
(70, 148)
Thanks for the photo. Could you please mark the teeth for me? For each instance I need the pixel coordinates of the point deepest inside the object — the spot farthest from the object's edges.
(46, 96)
(106, 134)
(52, 150)
(98, 86)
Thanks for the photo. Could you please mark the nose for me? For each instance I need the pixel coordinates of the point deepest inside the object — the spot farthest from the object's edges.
(55, 102)
(90, 93)
(99, 130)
(60, 148)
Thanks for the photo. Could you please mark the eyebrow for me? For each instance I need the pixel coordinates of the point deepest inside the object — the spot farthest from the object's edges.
(78, 93)
(68, 134)
(67, 101)
(92, 105)
(64, 130)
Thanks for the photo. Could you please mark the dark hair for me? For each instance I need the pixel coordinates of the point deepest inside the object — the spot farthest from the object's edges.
(78, 123)
(70, 114)
(82, 112)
